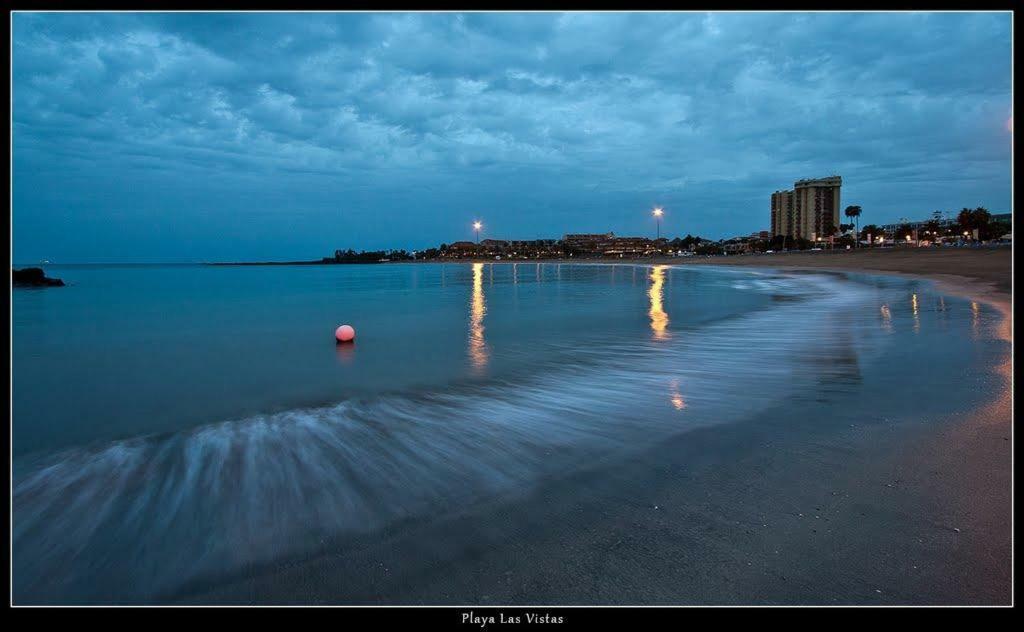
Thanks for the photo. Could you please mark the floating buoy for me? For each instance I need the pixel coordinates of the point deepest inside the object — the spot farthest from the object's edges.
(345, 333)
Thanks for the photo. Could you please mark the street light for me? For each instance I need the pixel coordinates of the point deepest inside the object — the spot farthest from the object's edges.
(658, 212)
(476, 227)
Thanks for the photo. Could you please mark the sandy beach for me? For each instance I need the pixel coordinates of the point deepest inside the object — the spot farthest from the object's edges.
(981, 273)
(986, 271)
(777, 510)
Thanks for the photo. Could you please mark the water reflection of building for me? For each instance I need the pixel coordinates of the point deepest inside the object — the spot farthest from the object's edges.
(917, 316)
(477, 310)
(838, 368)
(656, 293)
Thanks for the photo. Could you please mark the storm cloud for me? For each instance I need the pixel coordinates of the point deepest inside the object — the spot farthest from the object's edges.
(187, 137)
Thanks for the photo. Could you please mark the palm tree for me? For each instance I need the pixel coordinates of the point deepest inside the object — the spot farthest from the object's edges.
(872, 230)
(854, 212)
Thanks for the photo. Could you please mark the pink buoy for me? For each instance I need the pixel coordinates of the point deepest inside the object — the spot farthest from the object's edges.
(345, 333)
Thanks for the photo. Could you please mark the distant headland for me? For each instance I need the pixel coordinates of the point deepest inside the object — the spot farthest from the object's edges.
(33, 277)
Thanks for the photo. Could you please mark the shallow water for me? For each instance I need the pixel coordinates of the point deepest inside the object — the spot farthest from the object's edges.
(174, 423)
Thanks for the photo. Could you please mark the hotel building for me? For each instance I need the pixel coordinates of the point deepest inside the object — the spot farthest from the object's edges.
(810, 211)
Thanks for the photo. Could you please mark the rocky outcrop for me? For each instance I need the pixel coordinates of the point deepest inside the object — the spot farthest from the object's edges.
(33, 277)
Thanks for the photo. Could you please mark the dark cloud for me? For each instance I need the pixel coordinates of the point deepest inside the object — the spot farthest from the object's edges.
(183, 136)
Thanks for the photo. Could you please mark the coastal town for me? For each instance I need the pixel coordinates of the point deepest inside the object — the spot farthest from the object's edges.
(806, 217)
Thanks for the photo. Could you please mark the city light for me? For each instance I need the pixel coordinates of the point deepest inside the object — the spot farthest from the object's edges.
(477, 225)
(658, 212)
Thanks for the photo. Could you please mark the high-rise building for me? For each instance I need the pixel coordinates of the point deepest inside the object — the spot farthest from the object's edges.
(782, 213)
(810, 211)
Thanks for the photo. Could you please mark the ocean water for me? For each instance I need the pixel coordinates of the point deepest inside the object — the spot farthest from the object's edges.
(181, 425)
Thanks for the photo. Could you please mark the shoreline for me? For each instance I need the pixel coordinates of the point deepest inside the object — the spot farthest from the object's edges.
(978, 274)
(990, 283)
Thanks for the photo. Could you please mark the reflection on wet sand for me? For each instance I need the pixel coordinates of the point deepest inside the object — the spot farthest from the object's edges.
(477, 310)
(659, 318)
(886, 319)
(917, 318)
(837, 370)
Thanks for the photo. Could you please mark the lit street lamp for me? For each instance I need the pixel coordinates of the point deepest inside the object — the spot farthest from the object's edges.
(476, 227)
(658, 212)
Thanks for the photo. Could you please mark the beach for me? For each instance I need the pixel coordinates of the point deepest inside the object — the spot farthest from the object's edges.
(872, 510)
(705, 455)
(876, 515)
(984, 273)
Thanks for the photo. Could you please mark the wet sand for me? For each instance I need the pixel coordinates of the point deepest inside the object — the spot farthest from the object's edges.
(981, 270)
(755, 513)
(775, 510)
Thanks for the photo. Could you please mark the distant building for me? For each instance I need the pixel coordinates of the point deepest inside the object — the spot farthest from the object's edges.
(736, 245)
(587, 242)
(461, 249)
(532, 243)
(943, 222)
(627, 247)
(810, 211)
(891, 229)
(494, 246)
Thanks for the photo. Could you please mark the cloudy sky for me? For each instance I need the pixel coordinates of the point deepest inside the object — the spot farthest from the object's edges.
(193, 137)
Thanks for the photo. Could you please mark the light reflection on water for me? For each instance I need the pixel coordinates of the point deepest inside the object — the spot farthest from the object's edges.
(656, 293)
(675, 396)
(886, 318)
(917, 318)
(477, 310)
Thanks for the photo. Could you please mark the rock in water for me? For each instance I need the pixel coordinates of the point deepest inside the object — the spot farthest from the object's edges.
(33, 277)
